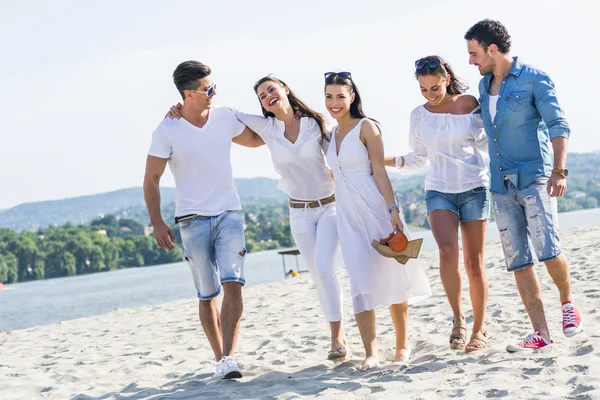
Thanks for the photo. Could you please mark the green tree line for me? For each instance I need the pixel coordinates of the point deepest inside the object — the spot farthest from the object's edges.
(111, 243)
(583, 192)
(267, 227)
(105, 244)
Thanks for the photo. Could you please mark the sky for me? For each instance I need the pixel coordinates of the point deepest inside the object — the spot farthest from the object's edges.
(84, 84)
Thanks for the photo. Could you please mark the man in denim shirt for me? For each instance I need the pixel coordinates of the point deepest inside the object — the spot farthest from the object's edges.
(523, 121)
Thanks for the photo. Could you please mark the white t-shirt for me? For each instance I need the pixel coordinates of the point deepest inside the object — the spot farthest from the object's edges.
(455, 146)
(301, 165)
(493, 106)
(200, 161)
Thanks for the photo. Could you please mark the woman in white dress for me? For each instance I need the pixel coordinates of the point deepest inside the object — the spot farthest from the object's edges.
(296, 146)
(367, 210)
(447, 132)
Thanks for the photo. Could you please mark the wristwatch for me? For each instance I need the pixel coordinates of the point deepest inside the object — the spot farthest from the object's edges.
(562, 172)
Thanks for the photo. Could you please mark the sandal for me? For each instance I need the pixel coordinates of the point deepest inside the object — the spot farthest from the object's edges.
(479, 341)
(343, 352)
(458, 341)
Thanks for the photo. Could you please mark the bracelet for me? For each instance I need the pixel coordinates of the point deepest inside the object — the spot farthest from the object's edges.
(401, 164)
(393, 207)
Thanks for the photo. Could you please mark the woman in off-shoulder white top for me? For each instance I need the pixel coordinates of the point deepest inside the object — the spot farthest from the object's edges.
(447, 133)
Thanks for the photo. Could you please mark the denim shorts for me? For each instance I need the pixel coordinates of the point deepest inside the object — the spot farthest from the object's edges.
(215, 250)
(472, 205)
(522, 213)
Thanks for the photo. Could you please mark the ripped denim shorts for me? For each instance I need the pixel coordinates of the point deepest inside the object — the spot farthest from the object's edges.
(528, 212)
(215, 250)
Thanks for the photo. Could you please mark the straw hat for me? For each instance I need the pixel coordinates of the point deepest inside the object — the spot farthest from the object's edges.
(398, 246)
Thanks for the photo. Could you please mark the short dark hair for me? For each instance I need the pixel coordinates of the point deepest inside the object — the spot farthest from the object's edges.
(487, 32)
(188, 74)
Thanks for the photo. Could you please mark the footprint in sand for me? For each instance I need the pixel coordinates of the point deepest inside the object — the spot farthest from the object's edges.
(582, 351)
(494, 393)
(579, 369)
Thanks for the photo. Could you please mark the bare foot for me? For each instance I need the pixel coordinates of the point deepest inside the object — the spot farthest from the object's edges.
(402, 355)
(369, 363)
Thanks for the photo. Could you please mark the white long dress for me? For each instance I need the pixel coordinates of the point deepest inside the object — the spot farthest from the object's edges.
(375, 280)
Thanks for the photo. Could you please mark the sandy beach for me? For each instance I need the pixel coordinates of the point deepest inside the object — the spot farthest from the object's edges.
(160, 352)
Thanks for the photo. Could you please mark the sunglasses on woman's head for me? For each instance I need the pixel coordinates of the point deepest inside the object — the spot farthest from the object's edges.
(343, 75)
(430, 62)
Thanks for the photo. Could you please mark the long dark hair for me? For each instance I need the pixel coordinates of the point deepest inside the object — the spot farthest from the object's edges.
(443, 69)
(356, 110)
(297, 105)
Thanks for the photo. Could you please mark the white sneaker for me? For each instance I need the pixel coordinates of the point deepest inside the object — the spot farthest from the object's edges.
(227, 368)
(572, 322)
(532, 342)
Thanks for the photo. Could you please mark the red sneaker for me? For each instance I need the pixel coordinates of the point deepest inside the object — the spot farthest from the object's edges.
(572, 323)
(532, 342)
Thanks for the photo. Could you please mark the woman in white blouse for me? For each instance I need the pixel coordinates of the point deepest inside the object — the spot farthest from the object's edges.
(447, 132)
(297, 151)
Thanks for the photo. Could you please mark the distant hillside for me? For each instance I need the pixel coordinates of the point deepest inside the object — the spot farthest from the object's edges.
(583, 192)
(80, 210)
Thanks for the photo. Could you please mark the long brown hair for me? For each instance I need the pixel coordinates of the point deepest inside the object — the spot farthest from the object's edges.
(297, 105)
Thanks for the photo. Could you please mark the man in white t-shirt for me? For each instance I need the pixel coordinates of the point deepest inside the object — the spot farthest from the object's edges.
(197, 148)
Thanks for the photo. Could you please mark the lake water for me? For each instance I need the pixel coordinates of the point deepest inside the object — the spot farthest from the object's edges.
(23, 305)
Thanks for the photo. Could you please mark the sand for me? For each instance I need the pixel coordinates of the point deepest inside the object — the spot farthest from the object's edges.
(160, 352)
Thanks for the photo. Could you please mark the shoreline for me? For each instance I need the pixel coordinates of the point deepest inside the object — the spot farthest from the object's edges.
(26, 304)
(413, 228)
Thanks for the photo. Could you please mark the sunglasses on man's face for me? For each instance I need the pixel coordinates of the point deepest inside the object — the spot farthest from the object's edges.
(430, 62)
(343, 75)
(209, 90)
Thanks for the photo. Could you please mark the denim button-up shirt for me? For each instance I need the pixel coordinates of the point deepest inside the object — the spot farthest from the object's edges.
(527, 118)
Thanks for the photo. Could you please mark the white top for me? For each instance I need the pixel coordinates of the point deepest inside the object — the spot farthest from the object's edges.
(493, 104)
(455, 146)
(200, 161)
(301, 165)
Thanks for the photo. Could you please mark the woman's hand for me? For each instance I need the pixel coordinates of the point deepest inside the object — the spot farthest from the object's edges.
(174, 112)
(389, 161)
(396, 221)
(298, 113)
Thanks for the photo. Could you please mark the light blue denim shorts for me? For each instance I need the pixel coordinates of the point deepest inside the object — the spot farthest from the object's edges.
(522, 213)
(472, 205)
(215, 250)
